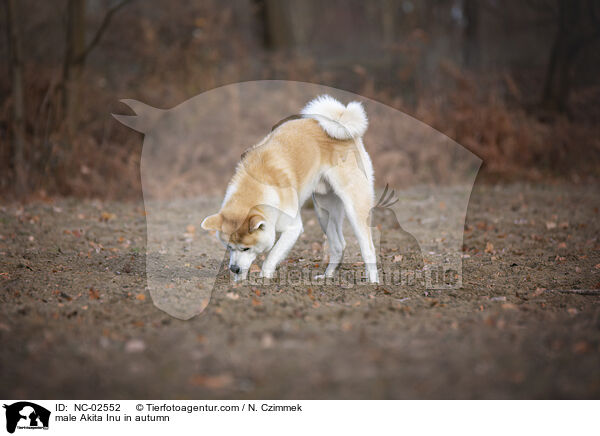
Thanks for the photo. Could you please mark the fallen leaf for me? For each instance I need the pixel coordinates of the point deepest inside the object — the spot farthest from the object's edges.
(254, 268)
(489, 247)
(581, 347)
(212, 382)
(190, 229)
(135, 346)
(267, 340)
(397, 258)
(106, 216)
(94, 295)
(140, 297)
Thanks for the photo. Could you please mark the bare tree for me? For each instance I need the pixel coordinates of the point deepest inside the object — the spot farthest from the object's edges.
(471, 50)
(76, 53)
(16, 68)
(284, 24)
(578, 26)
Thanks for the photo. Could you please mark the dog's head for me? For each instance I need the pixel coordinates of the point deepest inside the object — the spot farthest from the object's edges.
(244, 236)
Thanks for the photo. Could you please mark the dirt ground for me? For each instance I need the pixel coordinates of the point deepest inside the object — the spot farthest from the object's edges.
(76, 320)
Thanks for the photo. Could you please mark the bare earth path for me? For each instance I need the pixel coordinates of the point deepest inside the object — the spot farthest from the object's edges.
(76, 320)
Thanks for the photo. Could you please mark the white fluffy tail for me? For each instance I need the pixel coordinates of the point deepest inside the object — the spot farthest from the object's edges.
(338, 121)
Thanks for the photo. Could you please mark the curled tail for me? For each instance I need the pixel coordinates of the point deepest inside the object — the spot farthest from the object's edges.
(338, 121)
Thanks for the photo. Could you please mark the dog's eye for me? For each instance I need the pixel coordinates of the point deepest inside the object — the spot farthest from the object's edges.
(245, 249)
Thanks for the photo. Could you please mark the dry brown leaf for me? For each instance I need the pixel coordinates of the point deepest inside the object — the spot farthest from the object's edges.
(140, 297)
(212, 381)
(107, 216)
(581, 347)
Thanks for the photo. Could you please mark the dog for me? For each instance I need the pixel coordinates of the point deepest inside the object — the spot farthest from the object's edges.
(319, 153)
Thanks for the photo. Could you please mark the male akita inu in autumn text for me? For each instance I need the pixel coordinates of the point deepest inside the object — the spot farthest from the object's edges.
(319, 153)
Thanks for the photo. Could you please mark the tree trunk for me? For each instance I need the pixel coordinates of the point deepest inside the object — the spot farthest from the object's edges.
(578, 26)
(557, 82)
(275, 19)
(73, 63)
(471, 50)
(16, 67)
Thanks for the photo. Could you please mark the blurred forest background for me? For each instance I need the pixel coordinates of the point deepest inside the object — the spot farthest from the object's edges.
(515, 82)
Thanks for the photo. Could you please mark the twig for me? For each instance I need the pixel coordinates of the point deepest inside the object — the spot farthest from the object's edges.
(103, 26)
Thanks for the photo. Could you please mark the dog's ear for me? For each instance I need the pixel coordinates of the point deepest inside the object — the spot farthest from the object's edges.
(213, 222)
(256, 222)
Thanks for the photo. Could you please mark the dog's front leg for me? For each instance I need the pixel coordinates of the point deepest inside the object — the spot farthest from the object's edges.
(281, 248)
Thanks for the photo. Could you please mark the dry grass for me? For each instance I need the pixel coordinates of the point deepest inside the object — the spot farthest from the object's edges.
(102, 158)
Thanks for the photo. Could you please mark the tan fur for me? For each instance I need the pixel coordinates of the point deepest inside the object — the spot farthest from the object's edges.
(286, 160)
(299, 158)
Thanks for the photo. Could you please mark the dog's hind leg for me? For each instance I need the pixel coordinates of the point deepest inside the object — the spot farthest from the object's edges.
(330, 211)
(356, 193)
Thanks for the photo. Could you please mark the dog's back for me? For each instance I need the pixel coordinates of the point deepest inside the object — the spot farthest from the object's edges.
(299, 147)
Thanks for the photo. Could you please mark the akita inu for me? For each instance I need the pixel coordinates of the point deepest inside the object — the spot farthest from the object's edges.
(318, 153)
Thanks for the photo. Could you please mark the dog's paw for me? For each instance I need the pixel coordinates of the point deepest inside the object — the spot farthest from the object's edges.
(267, 273)
(374, 278)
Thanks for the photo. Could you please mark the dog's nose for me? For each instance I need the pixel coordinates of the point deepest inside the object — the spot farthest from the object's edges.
(235, 269)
